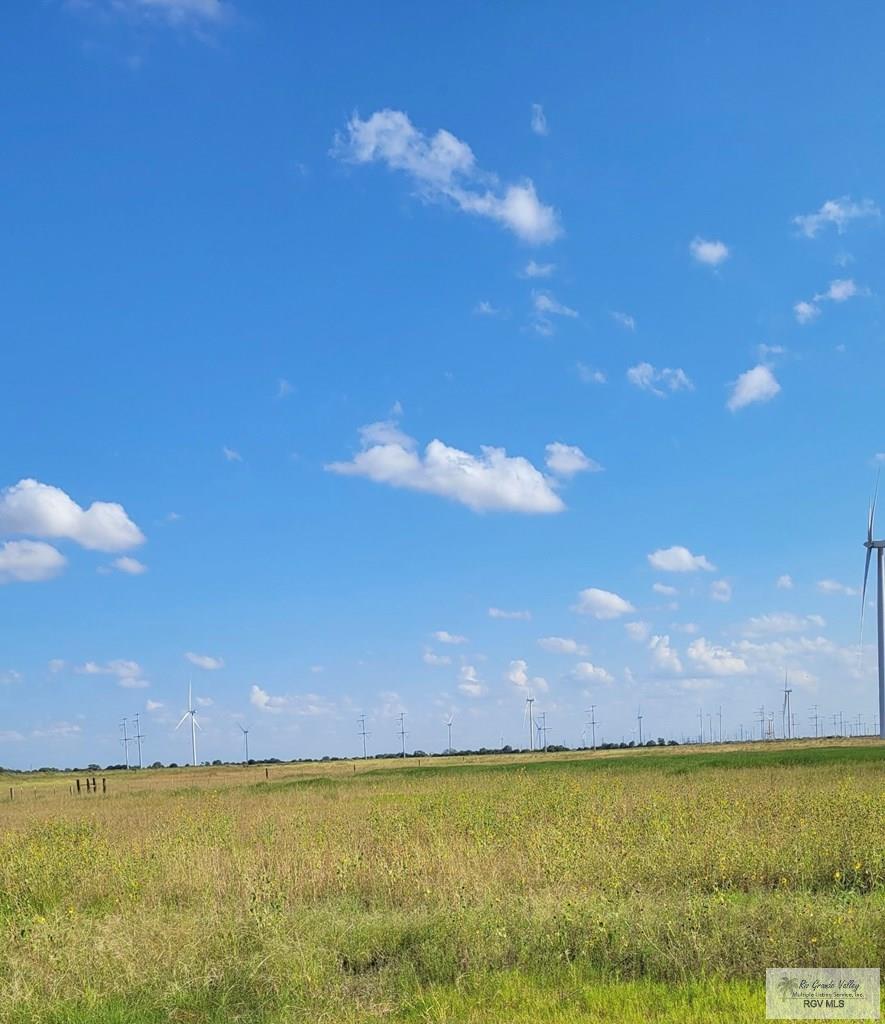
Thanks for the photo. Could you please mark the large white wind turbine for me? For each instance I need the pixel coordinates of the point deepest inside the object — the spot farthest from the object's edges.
(192, 711)
(879, 547)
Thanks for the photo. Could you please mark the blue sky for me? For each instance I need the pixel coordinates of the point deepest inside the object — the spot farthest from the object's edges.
(421, 361)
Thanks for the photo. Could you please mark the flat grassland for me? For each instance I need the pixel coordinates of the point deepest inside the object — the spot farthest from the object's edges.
(655, 885)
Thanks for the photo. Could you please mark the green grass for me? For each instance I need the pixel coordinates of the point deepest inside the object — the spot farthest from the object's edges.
(640, 886)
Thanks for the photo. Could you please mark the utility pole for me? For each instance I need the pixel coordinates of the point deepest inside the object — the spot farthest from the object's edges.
(364, 734)
(138, 738)
(639, 720)
(762, 722)
(126, 740)
(592, 723)
(710, 725)
(700, 725)
(720, 722)
(530, 701)
(814, 718)
(402, 731)
(542, 729)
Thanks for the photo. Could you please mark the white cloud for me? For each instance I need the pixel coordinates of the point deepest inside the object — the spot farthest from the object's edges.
(153, 705)
(485, 308)
(806, 312)
(58, 730)
(756, 385)
(664, 590)
(284, 388)
(56, 665)
(784, 582)
(29, 561)
(602, 604)
(720, 590)
(567, 459)
(711, 660)
(470, 684)
(128, 674)
(131, 566)
(839, 290)
(645, 377)
(545, 304)
(589, 375)
(178, 13)
(501, 613)
(781, 622)
(679, 559)
(708, 252)
(231, 454)
(533, 269)
(491, 480)
(262, 700)
(834, 587)
(663, 656)
(445, 637)
(539, 121)
(42, 510)
(518, 675)
(431, 658)
(624, 320)
(562, 645)
(587, 672)
(205, 661)
(444, 170)
(838, 212)
(637, 631)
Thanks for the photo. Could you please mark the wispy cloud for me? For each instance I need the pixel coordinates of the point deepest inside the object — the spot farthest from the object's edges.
(501, 613)
(444, 169)
(231, 454)
(533, 269)
(565, 460)
(205, 661)
(659, 382)
(836, 212)
(624, 320)
(839, 290)
(539, 120)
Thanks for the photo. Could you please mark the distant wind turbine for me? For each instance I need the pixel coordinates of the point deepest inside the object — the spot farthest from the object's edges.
(245, 733)
(879, 546)
(449, 721)
(192, 711)
(530, 717)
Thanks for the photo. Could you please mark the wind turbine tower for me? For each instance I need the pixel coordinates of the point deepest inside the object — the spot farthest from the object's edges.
(245, 733)
(788, 722)
(529, 714)
(639, 720)
(449, 721)
(879, 547)
(192, 712)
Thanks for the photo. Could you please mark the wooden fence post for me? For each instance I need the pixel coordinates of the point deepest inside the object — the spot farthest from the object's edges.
(78, 787)
(104, 784)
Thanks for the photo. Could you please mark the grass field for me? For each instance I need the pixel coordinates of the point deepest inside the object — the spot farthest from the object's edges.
(623, 887)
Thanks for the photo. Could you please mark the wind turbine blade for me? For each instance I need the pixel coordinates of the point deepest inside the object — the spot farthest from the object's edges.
(183, 720)
(872, 519)
(863, 596)
(197, 724)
